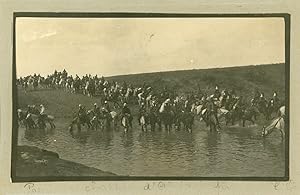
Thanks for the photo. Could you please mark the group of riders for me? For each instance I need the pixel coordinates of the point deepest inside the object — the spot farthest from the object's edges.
(155, 107)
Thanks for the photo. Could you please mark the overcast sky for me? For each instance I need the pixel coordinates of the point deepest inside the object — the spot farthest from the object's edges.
(115, 46)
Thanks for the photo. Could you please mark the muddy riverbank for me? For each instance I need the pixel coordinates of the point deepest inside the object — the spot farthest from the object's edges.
(33, 161)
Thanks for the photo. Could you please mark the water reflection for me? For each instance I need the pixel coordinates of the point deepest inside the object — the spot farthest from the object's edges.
(236, 151)
(212, 141)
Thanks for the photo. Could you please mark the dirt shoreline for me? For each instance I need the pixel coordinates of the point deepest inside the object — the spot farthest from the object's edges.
(36, 162)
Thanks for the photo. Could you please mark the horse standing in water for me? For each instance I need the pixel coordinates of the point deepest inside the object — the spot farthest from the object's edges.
(277, 124)
(166, 114)
(249, 114)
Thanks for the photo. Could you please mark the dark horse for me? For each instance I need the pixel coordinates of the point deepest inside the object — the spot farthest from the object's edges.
(185, 118)
(233, 115)
(211, 120)
(249, 114)
(81, 119)
(167, 119)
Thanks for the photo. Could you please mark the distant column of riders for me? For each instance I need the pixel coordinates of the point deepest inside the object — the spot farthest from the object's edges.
(156, 108)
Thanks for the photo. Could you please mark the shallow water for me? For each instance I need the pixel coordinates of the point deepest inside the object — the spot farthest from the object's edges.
(236, 151)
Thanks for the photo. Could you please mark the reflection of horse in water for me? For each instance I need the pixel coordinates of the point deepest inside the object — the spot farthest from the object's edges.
(277, 124)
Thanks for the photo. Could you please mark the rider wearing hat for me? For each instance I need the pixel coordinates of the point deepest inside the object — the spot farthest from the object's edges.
(81, 112)
(217, 93)
(42, 112)
(106, 106)
(96, 110)
(275, 99)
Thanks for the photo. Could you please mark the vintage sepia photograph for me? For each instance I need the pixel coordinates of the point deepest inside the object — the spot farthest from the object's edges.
(125, 96)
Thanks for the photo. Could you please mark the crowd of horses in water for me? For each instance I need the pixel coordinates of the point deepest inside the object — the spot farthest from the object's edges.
(157, 108)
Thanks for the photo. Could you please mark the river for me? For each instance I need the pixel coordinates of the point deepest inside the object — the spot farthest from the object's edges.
(236, 151)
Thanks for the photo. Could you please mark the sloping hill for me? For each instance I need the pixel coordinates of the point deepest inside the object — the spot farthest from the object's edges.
(244, 80)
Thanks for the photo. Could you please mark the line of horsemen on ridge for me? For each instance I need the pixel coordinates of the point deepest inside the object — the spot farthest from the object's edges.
(155, 108)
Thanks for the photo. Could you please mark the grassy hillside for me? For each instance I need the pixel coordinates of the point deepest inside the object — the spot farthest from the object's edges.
(244, 80)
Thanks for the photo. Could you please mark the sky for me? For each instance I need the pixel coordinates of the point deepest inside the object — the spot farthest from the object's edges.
(117, 46)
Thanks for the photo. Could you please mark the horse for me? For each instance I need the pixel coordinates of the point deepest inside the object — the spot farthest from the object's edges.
(248, 114)
(29, 122)
(166, 116)
(143, 120)
(233, 115)
(114, 118)
(81, 119)
(90, 88)
(125, 122)
(211, 121)
(153, 119)
(35, 84)
(41, 118)
(94, 120)
(188, 120)
(277, 124)
(272, 107)
(128, 94)
(49, 119)
(21, 116)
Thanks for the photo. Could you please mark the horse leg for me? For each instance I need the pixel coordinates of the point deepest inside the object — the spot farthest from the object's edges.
(244, 122)
(152, 126)
(159, 125)
(52, 125)
(282, 134)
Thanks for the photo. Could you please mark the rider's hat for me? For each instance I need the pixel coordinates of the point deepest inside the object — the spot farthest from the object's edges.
(125, 104)
(105, 102)
(79, 105)
(95, 104)
(41, 105)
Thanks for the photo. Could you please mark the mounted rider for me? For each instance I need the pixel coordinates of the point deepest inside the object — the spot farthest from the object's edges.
(42, 114)
(81, 114)
(255, 99)
(262, 103)
(126, 112)
(167, 106)
(276, 100)
(212, 109)
(187, 106)
(217, 93)
(106, 106)
(96, 110)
